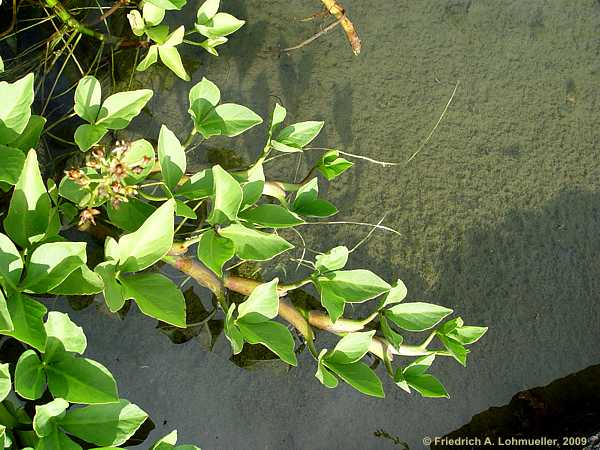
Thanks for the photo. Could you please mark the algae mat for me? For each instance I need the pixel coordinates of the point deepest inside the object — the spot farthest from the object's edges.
(499, 213)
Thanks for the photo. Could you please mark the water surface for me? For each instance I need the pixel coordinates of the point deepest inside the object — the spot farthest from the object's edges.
(499, 212)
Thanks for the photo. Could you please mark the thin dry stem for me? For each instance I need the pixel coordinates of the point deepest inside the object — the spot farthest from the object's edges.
(338, 11)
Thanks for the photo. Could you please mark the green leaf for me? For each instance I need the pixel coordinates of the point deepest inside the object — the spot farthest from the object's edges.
(59, 325)
(157, 296)
(80, 380)
(50, 264)
(271, 216)
(120, 108)
(350, 286)
(52, 190)
(332, 166)
(323, 374)
(394, 338)
(30, 378)
(5, 438)
(419, 366)
(150, 59)
(467, 335)
(6, 324)
(273, 335)
(27, 317)
(333, 303)
(11, 164)
(400, 381)
(279, 113)
(113, 291)
(15, 109)
(203, 97)
(221, 24)
(397, 293)
(171, 156)
(169, 5)
(228, 120)
(455, 348)
(299, 135)
(5, 381)
(72, 191)
(171, 58)
(131, 215)
(88, 98)
(358, 375)
(56, 441)
(30, 137)
(82, 281)
(233, 333)
(228, 197)
(198, 186)
(450, 326)
(207, 11)
(139, 151)
(183, 210)
(175, 38)
(86, 136)
(283, 148)
(317, 208)
(417, 316)
(152, 241)
(11, 264)
(307, 202)
(158, 34)
(253, 186)
(110, 424)
(214, 251)
(262, 303)
(354, 286)
(111, 249)
(351, 348)
(210, 44)
(334, 259)
(428, 386)
(153, 15)
(254, 245)
(170, 439)
(29, 213)
(136, 22)
(46, 416)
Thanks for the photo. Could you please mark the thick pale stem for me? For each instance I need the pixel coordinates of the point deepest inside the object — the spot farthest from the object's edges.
(289, 313)
(321, 320)
(293, 317)
(198, 272)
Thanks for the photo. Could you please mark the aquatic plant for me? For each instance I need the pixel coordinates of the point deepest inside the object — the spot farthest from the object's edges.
(52, 377)
(148, 209)
(145, 204)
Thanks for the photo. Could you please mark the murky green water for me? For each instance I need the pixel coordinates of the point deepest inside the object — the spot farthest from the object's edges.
(499, 213)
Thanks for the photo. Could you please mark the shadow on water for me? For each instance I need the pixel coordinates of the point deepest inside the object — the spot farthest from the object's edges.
(343, 111)
(534, 276)
(294, 77)
(533, 279)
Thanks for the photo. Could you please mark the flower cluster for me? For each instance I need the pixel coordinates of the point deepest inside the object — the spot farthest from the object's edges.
(108, 176)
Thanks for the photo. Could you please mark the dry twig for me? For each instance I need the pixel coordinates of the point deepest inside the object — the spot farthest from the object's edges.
(338, 11)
